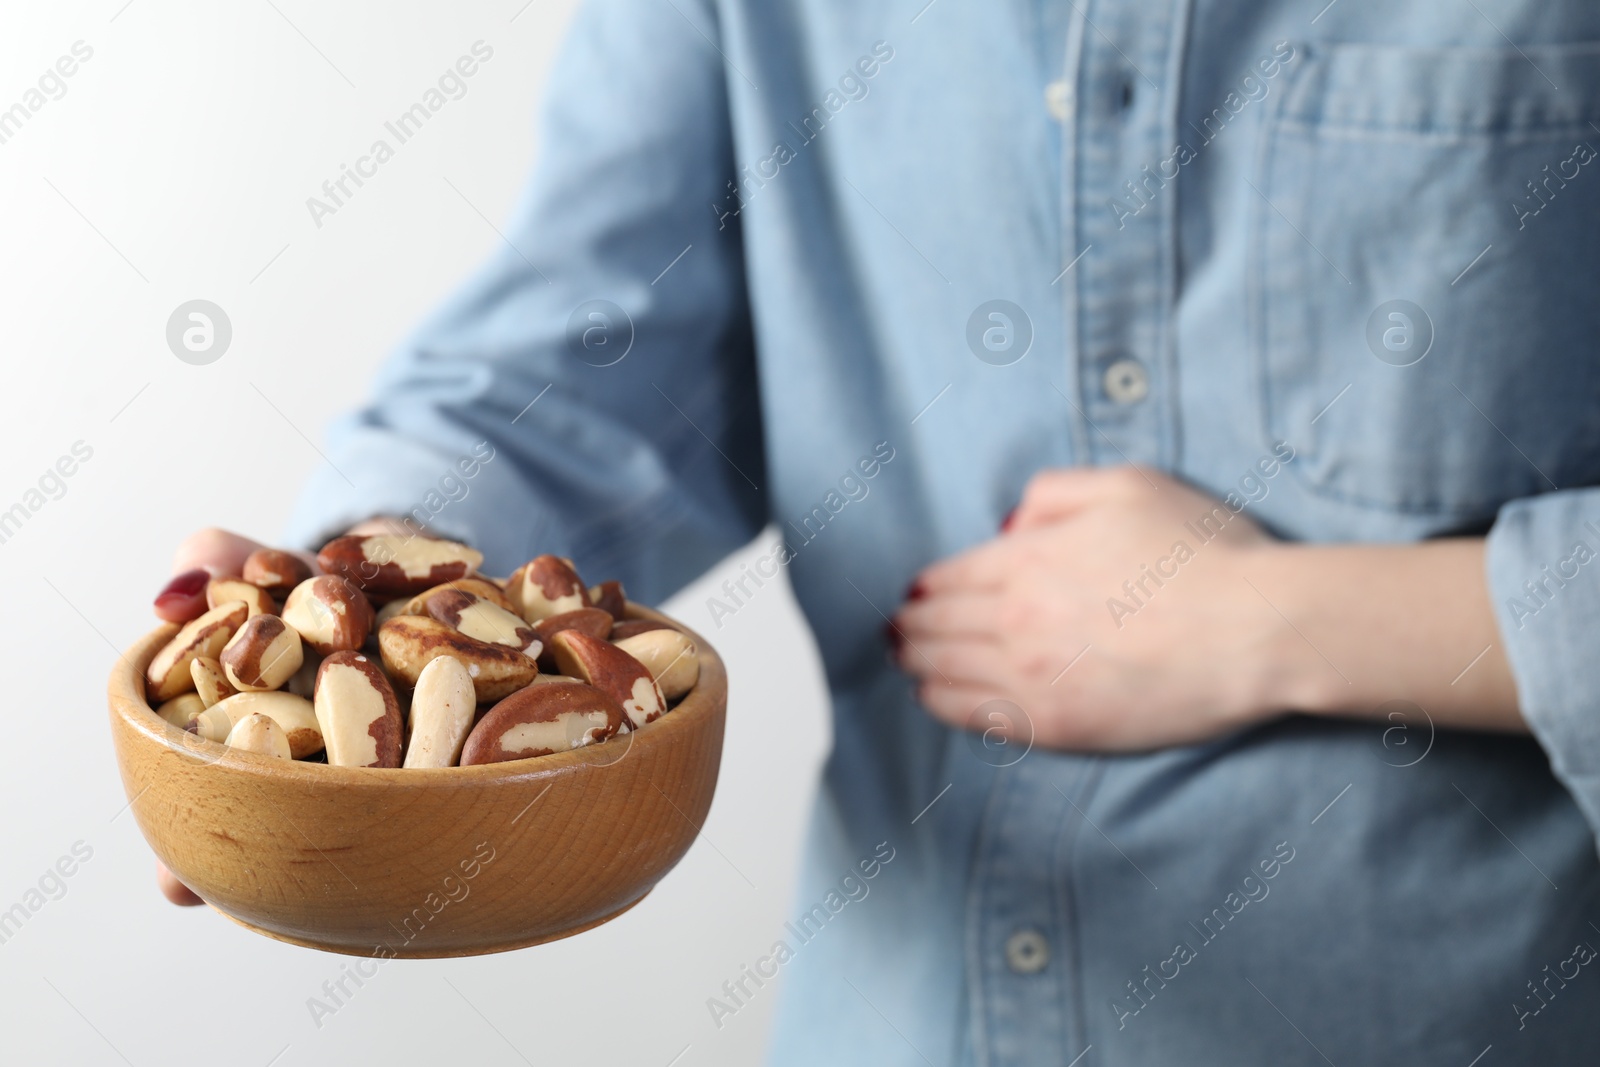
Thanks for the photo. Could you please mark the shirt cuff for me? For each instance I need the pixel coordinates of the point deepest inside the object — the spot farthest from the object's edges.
(1543, 563)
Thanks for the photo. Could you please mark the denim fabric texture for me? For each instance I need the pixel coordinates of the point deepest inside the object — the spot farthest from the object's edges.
(1363, 238)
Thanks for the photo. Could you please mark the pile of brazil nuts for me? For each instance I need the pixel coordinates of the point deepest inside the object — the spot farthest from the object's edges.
(400, 654)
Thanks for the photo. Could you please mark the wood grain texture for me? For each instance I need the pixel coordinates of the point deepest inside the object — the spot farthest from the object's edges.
(369, 861)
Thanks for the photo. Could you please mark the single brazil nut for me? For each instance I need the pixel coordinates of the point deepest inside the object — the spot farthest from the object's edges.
(329, 614)
(625, 628)
(609, 598)
(294, 714)
(542, 720)
(275, 570)
(611, 670)
(542, 679)
(222, 590)
(168, 673)
(357, 711)
(263, 654)
(210, 680)
(592, 621)
(475, 584)
(669, 655)
(258, 733)
(387, 565)
(182, 709)
(409, 642)
(546, 586)
(483, 619)
(442, 711)
(513, 589)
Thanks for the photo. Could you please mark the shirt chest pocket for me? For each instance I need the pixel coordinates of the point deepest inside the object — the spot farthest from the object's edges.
(1425, 304)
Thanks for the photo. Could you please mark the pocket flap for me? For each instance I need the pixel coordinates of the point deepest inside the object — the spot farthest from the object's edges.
(1356, 89)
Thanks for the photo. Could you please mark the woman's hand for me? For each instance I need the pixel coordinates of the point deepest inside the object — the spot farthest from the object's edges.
(204, 554)
(1107, 612)
(200, 557)
(1123, 610)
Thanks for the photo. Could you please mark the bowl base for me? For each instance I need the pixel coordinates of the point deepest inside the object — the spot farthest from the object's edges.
(428, 954)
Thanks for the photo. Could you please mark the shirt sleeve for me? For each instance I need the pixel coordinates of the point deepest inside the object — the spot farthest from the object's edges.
(597, 378)
(1544, 578)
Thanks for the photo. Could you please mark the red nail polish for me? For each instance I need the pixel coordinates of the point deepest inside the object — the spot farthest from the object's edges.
(185, 586)
(892, 638)
(1005, 523)
(916, 590)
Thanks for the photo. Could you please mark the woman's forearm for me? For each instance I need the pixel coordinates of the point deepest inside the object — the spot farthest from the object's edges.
(1369, 624)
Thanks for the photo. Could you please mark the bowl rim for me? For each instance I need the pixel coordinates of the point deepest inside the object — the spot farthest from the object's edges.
(126, 695)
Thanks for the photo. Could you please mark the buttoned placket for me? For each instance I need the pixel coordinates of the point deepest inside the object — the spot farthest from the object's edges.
(1115, 101)
(1020, 932)
(1124, 214)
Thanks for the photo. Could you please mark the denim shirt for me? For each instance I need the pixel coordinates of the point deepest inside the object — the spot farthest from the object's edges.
(860, 269)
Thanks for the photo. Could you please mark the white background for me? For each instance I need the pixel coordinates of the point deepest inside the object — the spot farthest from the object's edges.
(176, 166)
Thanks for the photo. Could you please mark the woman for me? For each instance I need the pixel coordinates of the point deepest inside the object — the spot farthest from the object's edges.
(1265, 731)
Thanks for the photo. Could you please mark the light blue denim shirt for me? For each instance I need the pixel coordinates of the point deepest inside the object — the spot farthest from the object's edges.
(954, 244)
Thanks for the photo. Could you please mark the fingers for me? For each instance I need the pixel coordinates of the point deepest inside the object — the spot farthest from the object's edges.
(184, 597)
(203, 554)
(953, 704)
(950, 661)
(1060, 493)
(977, 570)
(218, 551)
(1051, 496)
(175, 890)
(949, 614)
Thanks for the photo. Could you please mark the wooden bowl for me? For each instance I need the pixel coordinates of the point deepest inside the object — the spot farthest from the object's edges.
(458, 861)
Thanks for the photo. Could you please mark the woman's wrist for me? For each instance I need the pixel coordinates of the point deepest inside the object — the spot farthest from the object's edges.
(1287, 587)
(1353, 627)
(1277, 588)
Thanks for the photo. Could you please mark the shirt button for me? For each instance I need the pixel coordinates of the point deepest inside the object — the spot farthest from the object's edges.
(1126, 381)
(1058, 98)
(1027, 952)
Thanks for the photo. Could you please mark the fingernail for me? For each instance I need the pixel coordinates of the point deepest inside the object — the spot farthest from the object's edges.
(184, 586)
(1005, 523)
(892, 638)
(916, 590)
